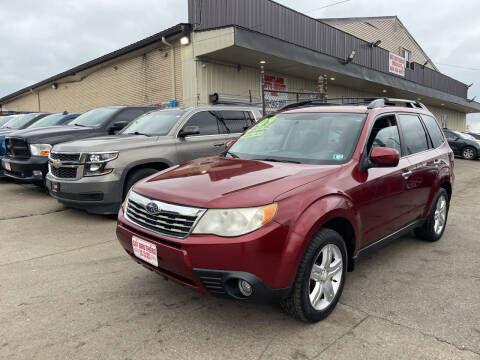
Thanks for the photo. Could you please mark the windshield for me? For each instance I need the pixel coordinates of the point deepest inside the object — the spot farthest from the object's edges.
(156, 123)
(20, 121)
(48, 120)
(4, 120)
(310, 138)
(468, 136)
(94, 118)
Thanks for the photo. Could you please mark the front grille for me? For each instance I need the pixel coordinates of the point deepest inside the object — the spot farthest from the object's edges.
(65, 157)
(17, 147)
(64, 172)
(172, 220)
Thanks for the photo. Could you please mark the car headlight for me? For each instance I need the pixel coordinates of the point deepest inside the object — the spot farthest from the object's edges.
(97, 163)
(40, 149)
(234, 222)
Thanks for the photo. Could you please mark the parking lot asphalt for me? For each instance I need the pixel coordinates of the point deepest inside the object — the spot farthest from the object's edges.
(68, 291)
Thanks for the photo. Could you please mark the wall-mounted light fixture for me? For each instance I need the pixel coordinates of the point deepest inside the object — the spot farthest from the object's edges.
(185, 40)
(332, 78)
(384, 91)
(263, 62)
(375, 43)
(54, 86)
(350, 57)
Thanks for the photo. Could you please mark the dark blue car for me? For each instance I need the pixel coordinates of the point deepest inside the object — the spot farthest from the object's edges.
(20, 122)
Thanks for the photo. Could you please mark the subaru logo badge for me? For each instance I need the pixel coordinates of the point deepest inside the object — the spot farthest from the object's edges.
(152, 208)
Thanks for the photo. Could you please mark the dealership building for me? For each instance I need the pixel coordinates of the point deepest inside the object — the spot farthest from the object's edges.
(224, 45)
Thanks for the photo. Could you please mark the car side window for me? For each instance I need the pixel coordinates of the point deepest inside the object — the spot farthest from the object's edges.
(414, 136)
(434, 130)
(449, 135)
(206, 121)
(233, 121)
(385, 134)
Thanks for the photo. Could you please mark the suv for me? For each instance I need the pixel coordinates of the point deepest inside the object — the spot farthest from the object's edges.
(288, 208)
(13, 123)
(95, 174)
(28, 150)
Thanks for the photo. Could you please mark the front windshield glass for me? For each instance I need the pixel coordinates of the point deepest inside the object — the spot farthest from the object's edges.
(94, 118)
(468, 136)
(155, 123)
(48, 120)
(310, 138)
(4, 120)
(20, 121)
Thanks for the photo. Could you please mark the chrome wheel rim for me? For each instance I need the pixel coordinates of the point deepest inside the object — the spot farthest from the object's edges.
(468, 153)
(326, 276)
(440, 215)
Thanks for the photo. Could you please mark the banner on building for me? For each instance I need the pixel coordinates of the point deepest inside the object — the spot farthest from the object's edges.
(274, 82)
(396, 64)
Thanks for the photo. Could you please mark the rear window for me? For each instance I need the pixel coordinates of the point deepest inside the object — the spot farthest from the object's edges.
(413, 134)
(434, 130)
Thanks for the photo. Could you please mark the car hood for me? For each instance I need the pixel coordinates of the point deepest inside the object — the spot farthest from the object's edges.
(55, 134)
(218, 182)
(107, 143)
(5, 132)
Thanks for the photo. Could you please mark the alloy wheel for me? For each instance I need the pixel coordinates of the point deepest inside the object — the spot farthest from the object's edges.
(468, 153)
(440, 216)
(326, 276)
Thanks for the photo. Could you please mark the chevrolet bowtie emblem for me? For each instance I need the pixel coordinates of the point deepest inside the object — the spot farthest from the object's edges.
(56, 164)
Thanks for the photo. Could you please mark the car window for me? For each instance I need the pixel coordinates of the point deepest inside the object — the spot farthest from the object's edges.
(48, 120)
(206, 121)
(129, 115)
(385, 134)
(310, 138)
(20, 121)
(434, 130)
(413, 132)
(233, 121)
(4, 120)
(94, 118)
(155, 123)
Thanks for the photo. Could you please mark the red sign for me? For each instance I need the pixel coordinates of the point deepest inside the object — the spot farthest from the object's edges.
(273, 82)
(396, 64)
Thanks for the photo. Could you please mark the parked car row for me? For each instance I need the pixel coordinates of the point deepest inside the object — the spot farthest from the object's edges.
(278, 209)
(463, 144)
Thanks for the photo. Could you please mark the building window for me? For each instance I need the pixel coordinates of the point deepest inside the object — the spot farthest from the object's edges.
(406, 55)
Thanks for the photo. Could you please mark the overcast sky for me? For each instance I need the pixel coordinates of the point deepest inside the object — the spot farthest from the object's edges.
(42, 38)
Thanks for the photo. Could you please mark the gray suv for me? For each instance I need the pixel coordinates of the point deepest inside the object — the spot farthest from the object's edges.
(95, 174)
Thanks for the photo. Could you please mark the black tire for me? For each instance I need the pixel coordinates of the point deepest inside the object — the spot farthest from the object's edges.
(469, 153)
(137, 176)
(298, 303)
(427, 230)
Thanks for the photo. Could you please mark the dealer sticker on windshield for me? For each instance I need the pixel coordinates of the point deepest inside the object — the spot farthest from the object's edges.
(338, 157)
(145, 250)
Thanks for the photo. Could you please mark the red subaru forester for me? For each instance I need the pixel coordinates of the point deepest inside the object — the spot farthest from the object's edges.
(285, 212)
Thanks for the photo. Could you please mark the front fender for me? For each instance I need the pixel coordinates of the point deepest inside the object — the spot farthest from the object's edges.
(307, 222)
(133, 164)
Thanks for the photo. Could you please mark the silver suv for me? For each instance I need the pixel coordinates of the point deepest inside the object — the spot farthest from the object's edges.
(95, 174)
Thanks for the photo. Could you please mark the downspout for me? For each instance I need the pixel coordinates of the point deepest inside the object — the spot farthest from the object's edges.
(172, 66)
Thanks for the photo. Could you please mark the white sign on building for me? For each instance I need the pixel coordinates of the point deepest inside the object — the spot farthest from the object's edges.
(396, 64)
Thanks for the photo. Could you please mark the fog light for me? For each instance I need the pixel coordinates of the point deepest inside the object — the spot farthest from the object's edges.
(245, 287)
(37, 173)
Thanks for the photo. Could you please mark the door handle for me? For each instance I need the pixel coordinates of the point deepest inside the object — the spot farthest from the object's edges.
(407, 174)
(219, 144)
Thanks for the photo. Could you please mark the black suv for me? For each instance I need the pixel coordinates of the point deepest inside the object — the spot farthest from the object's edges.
(462, 144)
(28, 150)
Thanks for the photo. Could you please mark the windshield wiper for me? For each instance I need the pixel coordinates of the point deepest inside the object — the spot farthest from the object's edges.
(277, 160)
(235, 156)
(81, 125)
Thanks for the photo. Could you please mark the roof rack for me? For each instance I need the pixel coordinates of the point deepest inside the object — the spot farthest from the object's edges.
(371, 102)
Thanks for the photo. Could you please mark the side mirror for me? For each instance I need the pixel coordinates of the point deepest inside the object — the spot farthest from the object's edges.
(116, 127)
(189, 130)
(384, 157)
(230, 143)
(379, 157)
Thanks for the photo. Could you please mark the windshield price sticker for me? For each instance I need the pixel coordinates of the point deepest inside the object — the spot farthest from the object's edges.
(260, 128)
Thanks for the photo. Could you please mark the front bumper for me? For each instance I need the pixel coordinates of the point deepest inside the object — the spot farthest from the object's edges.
(212, 264)
(98, 194)
(23, 169)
